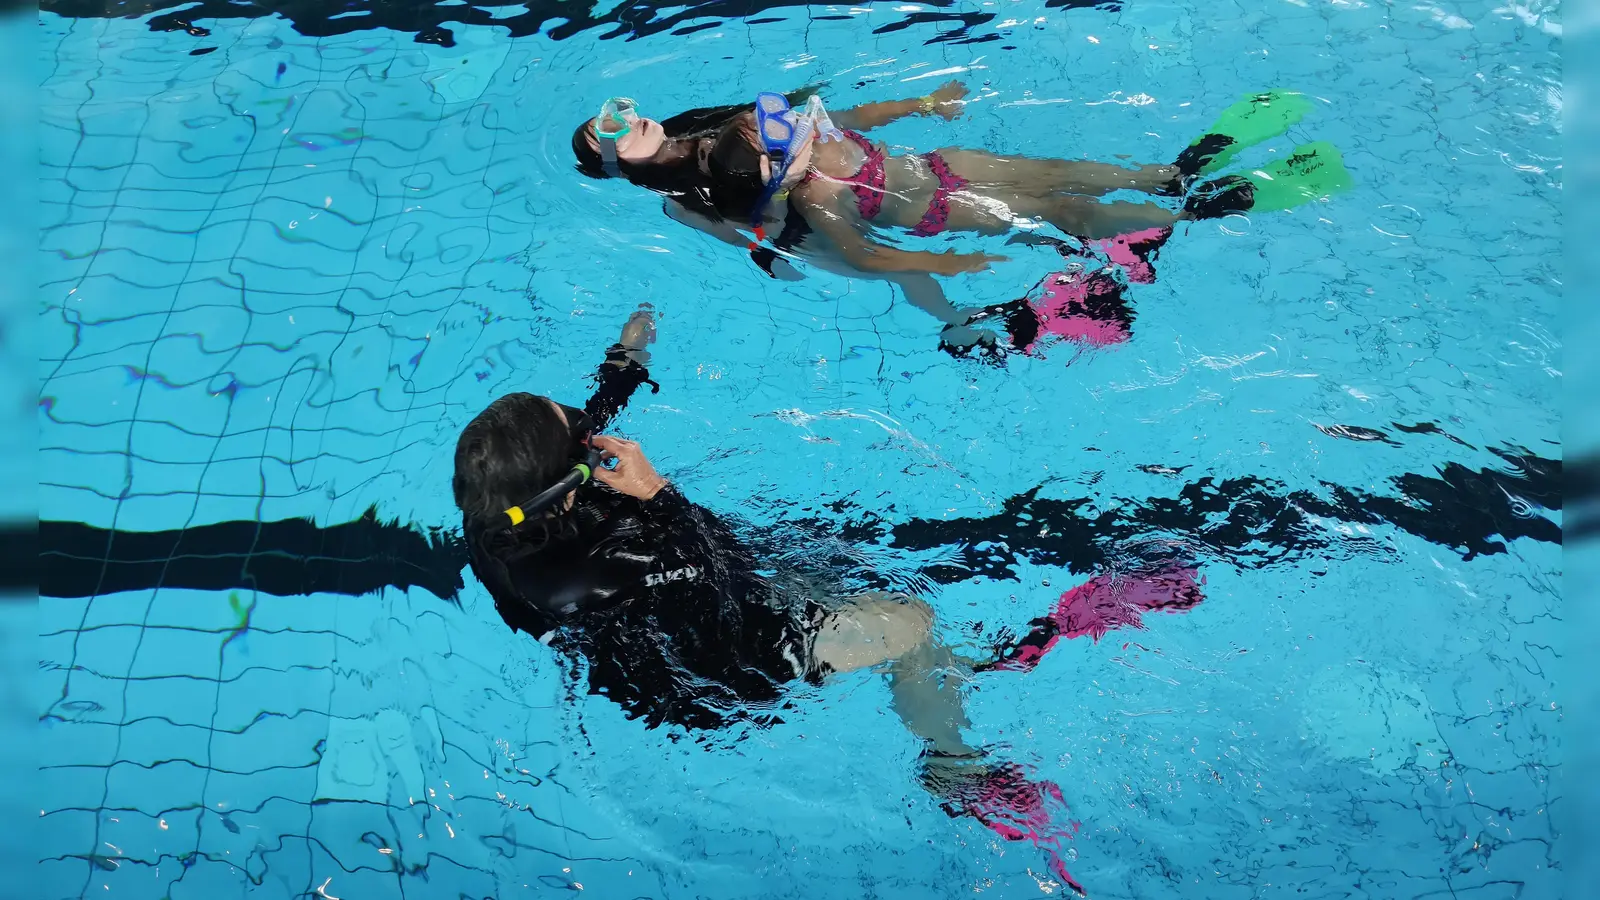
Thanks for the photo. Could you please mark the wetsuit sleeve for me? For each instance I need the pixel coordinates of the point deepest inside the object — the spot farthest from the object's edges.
(688, 523)
(669, 502)
(615, 381)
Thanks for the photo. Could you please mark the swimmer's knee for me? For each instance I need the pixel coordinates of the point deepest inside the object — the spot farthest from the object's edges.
(919, 608)
(873, 629)
(909, 625)
(897, 606)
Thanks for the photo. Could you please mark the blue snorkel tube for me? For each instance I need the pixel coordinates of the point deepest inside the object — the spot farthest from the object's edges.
(779, 135)
(782, 133)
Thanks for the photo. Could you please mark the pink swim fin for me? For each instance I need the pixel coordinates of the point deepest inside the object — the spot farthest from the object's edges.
(1087, 306)
(1083, 307)
(1016, 808)
(1134, 252)
(1101, 604)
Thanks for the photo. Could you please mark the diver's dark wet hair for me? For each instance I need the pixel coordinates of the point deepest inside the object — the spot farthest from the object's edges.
(513, 450)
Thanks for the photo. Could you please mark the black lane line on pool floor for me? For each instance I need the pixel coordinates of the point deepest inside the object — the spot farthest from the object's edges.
(1248, 521)
(426, 20)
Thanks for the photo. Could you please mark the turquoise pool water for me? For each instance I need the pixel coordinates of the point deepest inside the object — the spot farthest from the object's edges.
(286, 257)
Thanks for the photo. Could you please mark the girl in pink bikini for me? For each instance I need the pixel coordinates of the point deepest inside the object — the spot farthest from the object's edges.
(842, 186)
(826, 179)
(827, 192)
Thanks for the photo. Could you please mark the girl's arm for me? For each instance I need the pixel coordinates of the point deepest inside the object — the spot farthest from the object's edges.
(724, 231)
(945, 102)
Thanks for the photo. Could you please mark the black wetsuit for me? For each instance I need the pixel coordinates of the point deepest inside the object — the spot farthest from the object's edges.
(661, 600)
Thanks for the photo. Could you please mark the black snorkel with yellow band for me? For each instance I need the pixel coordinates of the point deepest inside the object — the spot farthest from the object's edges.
(581, 472)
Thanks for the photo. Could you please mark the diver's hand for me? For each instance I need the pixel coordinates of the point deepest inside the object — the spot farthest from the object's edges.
(952, 263)
(946, 101)
(633, 474)
(958, 339)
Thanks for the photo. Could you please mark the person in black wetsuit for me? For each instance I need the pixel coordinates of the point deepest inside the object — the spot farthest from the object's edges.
(673, 614)
(655, 593)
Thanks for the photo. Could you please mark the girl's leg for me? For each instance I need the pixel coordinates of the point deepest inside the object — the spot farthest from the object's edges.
(925, 678)
(988, 211)
(1092, 220)
(1050, 176)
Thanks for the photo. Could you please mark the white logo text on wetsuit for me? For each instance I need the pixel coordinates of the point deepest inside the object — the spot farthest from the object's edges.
(684, 574)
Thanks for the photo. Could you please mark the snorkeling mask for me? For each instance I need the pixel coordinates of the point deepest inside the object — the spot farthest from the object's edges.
(617, 117)
(586, 457)
(783, 133)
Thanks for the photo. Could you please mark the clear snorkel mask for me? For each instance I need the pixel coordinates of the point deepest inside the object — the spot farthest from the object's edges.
(617, 117)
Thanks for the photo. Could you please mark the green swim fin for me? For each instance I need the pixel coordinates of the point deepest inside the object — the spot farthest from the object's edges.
(1256, 118)
(1311, 172)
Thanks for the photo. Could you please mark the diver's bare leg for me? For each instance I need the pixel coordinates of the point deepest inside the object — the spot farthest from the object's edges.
(925, 678)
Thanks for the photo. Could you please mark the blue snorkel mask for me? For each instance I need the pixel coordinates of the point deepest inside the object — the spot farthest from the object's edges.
(784, 132)
(617, 117)
(780, 136)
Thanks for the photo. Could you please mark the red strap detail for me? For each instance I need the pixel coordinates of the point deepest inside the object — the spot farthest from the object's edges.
(761, 233)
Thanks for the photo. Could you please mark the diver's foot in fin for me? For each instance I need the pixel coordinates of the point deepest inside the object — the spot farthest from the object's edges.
(1256, 118)
(1006, 801)
(1102, 604)
(1198, 155)
(1312, 172)
(1222, 197)
(1108, 602)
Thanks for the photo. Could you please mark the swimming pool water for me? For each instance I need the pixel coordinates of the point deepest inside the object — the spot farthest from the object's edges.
(287, 257)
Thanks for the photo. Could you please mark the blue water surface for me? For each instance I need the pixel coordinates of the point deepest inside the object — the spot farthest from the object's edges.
(281, 275)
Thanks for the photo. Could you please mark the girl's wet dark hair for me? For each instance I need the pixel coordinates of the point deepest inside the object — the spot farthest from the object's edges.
(704, 122)
(735, 163)
(736, 187)
(513, 450)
